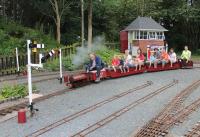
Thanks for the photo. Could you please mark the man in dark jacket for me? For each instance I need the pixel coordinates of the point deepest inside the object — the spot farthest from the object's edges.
(95, 64)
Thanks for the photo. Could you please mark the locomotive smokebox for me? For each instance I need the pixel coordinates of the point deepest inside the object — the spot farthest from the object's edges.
(79, 77)
(66, 79)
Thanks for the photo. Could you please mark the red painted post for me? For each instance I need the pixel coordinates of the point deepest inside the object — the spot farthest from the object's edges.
(22, 116)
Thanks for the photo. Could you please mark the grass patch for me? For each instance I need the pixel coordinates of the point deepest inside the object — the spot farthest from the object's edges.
(14, 91)
(196, 57)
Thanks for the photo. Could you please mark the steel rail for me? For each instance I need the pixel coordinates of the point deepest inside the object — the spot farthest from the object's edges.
(87, 110)
(160, 124)
(194, 132)
(118, 113)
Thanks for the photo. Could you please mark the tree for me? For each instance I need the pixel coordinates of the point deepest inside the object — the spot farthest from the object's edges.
(58, 10)
(90, 6)
(82, 23)
(59, 7)
(181, 18)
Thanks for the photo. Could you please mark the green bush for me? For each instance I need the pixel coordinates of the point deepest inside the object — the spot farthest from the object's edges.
(53, 65)
(107, 54)
(197, 52)
(1, 97)
(13, 35)
(14, 91)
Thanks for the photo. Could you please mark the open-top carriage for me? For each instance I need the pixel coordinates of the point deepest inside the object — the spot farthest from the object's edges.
(83, 78)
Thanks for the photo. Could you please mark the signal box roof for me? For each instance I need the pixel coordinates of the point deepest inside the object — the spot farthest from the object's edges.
(145, 23)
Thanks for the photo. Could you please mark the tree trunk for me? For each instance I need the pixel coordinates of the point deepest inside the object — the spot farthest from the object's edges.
(90, 24)
(82, 23)
(58, 34)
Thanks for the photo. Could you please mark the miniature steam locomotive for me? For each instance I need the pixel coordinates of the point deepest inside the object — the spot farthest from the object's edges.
(84, 78)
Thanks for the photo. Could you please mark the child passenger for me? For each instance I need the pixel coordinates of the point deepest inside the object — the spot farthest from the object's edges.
(172, 56)
(121, 64)
(115, 62)
(139, 60)
(164, 57)
(152, 58)
(157, 55)
(128, 60)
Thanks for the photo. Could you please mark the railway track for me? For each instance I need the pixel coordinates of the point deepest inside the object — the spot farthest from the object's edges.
(196, 62)
(38, 81)
(87, 110)
(161, 128)
(23, 104)
(172, 114)
(38, 75)
(194, 132)
(118, 113)
(25, 77)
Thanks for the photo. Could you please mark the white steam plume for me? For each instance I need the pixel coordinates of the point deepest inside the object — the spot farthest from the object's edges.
(82, 52)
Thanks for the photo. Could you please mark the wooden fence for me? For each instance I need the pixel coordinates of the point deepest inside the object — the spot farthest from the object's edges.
(8, 64)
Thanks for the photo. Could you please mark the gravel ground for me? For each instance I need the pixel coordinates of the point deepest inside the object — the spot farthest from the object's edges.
(49, 86)
(59, 107)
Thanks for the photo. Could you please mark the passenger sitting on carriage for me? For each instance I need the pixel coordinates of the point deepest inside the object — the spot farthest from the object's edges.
(164, 57)
(139, 60)
(186, 55)
(115, 62)
(128, 60)
(95, 64)
(172, 56)
(121, 64)
(157, 55)
(152, 58)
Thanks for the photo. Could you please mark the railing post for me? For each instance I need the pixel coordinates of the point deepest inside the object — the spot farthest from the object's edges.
(17, 61)
(60, 61)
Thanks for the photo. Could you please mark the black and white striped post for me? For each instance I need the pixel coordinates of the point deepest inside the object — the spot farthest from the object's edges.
(52, 53)
(29, 65)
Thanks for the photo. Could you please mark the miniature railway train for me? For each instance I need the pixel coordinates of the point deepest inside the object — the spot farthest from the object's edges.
(83, 78)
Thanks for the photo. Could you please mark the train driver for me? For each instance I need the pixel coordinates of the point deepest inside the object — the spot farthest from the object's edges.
(186, 55)
(95, 64)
